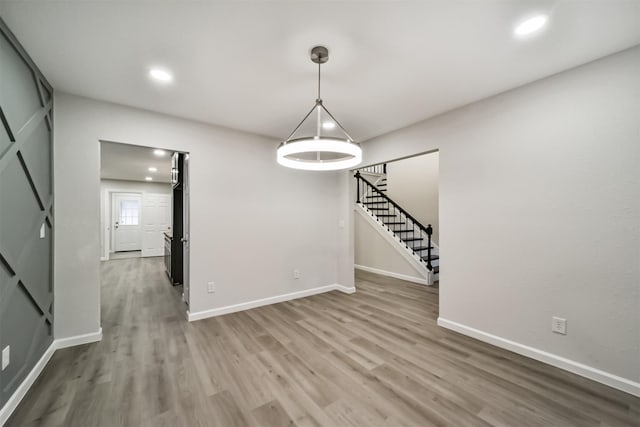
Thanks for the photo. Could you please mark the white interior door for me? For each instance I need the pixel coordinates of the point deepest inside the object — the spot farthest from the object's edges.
(126, 219)
(186, 289)
(156, 215)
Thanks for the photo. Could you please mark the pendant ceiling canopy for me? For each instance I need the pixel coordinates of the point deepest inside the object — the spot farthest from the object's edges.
(328, 146)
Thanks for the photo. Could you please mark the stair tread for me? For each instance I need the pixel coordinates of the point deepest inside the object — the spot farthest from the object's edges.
(412, 239)
(408, 230)
(421, 248)
(374, 197)
(436, 270)
(394, 223)
(386, 215)
(376, 203)
(378, 209)
(433, 257)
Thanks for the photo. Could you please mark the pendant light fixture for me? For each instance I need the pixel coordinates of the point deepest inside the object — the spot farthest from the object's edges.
(320, 152)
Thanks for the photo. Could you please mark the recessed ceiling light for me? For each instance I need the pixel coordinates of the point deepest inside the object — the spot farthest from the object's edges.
(328, 125)
(159, 153)
(160, 75)
(152, 169)
(148, 178)
(530, 25)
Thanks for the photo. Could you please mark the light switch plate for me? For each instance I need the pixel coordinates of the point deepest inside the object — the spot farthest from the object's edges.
(42, 231)
(6, 356)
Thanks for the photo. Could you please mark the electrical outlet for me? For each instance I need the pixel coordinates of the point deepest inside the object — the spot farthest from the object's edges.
(559, 325)
(296, 274)
(211, 287)
(6, 356)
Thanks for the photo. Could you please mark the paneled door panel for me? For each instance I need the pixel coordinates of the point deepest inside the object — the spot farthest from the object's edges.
(156, 214)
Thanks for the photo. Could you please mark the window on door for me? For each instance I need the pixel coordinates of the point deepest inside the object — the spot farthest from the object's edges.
(129, 212)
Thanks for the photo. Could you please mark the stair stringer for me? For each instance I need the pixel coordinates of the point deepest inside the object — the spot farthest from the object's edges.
(425, 276)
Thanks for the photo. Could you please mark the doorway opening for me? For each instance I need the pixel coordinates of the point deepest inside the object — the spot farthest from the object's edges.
(396, 220)
(144, 217)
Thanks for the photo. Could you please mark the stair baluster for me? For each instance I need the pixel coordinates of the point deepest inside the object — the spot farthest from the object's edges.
(429, 233)
(395, 215)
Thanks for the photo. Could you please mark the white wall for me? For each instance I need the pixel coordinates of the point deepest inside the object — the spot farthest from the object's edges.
(345, 244)
(375, 252)
(540, 216)
(108, 186)
(252, 221)
(413, 184)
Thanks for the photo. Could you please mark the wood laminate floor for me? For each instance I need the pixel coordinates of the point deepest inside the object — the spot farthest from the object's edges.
(374, 358)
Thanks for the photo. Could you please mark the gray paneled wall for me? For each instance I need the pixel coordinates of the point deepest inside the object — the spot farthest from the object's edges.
(26, 219)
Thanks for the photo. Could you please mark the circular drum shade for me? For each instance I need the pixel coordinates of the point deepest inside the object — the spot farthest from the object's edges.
(319, 154)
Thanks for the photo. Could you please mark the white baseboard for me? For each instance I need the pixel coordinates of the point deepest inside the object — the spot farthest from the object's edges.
(23, 388)
(578, 368)
(345, 289)
(198, 315)
(392, 274)
(79, 339)
(26, 384)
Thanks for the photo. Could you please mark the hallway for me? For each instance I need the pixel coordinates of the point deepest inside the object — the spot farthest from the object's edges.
(372, 358)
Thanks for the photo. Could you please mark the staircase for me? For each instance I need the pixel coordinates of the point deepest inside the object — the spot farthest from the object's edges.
(410, 235)
(376, 174)
(382, 184)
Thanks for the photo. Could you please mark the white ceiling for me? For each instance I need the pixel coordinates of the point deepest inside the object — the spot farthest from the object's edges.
(132, 163)
(245, 64)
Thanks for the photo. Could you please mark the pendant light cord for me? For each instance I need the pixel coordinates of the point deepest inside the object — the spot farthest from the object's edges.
(319, 119)
(319, 80)
(319, 106)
